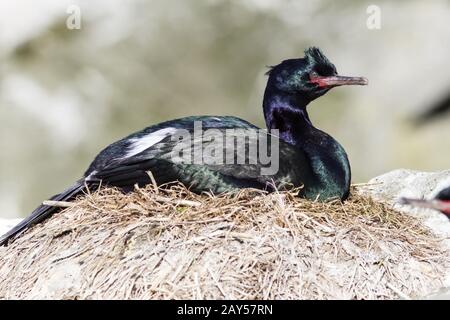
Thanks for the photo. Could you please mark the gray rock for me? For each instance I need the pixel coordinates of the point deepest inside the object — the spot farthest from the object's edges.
(7, 224)
(413, 184)
(391, 186)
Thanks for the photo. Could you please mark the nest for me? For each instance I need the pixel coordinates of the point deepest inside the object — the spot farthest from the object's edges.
(173, 244)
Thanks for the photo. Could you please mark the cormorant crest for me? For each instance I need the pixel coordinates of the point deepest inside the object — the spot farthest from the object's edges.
(270, 70)
(313, 55)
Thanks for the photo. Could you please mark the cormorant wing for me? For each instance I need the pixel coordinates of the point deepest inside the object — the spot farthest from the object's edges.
(218, 160)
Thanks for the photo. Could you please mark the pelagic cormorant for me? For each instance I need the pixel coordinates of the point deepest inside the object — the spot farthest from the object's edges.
(440, 202)
(305, 155)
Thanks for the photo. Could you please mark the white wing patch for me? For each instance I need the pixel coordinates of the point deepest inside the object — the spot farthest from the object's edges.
(142, 143)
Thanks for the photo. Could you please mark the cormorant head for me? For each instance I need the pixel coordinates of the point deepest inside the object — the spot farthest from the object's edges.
(308, 78)
(443, 198)
(441, 202)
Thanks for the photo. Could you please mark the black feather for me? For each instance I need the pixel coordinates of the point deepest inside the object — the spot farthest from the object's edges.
(43, 211)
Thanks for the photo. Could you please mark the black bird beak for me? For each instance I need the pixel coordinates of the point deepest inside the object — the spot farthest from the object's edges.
(334, 81)
(440, 205)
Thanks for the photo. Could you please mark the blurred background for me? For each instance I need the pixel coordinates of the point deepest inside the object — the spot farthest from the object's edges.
(67, 93)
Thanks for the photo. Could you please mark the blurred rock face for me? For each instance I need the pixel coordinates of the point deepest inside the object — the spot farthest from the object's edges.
(65, 94)
(393, 185)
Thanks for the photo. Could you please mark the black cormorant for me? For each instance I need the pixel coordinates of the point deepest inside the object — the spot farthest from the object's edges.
(302, 156)
(441, 202)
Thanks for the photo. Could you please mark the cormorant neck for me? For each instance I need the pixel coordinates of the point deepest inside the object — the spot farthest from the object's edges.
(327, 159)
(288, 114)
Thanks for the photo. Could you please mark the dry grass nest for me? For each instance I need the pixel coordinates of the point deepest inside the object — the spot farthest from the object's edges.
(173, 244)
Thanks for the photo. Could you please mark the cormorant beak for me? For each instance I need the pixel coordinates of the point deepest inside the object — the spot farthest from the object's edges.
(334, 81)
(440, 205)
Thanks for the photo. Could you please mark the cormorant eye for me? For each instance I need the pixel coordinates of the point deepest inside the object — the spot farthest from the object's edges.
(313, 75)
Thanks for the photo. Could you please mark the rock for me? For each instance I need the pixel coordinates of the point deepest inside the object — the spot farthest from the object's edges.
(416, 184)
(7, 224)
(408, 183)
